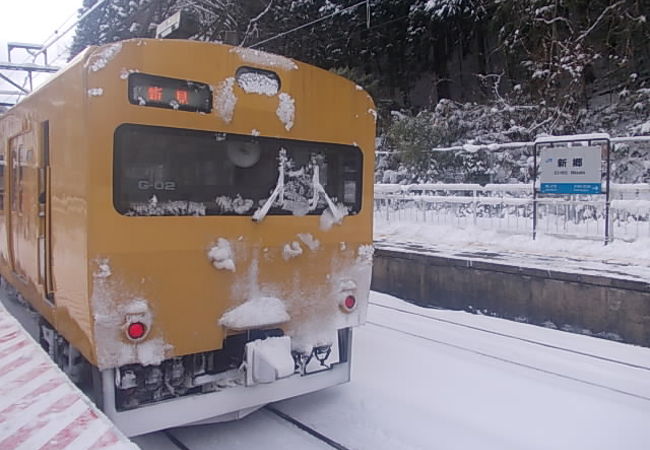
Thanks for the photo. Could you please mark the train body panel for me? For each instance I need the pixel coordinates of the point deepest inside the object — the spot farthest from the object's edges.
(194, 227)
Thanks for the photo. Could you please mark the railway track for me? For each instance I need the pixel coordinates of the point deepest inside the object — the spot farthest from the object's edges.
(303, 427)
(512, 361)
(517, 338)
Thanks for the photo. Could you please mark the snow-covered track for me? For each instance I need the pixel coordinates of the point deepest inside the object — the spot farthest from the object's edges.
(518, 338)
(307, 429)
(512, 361)
(40, 408)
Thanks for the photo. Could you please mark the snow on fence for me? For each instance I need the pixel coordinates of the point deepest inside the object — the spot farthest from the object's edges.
(509, 207)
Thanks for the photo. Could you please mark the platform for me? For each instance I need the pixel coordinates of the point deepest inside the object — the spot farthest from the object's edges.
(604, 298)
(40, 408)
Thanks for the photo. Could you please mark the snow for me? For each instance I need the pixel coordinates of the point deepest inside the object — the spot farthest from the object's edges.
(95, 92)
(167, 208)
(264, 59)
(630, 260)
(225, 99)
(39, 406)
(256, 313)
(238, 205)
(328, 219)
(271, 359)
(465, 388)
(573, 137)
(258, 83)
(102, 56)
(221, 256)
(286, 110)
(309, 240)
(291, 250)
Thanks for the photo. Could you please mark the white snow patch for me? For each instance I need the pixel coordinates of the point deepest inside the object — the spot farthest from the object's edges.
(221, 255)
(365, 253)
(124, 74)
(343, 246)
(264, 59)
(113, 347)
(226, 100)
(102, 56)
(291, 250)
(258, 83)
(255, 313)
(286, 110)
(255, 132)
(309, 241)
(373, 113)
(95, 92)
(358, 88)
(103, 269)
(238, 205)
(327, 219)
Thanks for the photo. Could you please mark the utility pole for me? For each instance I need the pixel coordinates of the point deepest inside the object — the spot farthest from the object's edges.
(29, 68)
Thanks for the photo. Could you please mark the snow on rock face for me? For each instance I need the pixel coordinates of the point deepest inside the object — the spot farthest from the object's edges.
(225, 99)
(95, 92)
(102, 56)
(264, 59)
(255, 313)
(113, 347)
(258, 83)
(286, 110)
(221, 256)
(291, 250)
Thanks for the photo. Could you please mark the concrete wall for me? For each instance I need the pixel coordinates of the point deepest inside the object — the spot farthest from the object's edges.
(607, 307)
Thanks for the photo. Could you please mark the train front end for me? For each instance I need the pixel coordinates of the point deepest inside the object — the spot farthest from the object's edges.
(230, 229)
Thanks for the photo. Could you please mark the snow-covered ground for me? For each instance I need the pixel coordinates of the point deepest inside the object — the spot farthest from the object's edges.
(630, 260)
(435, 379)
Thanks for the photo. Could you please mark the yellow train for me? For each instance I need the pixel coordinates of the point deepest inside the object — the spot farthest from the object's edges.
(193, 222)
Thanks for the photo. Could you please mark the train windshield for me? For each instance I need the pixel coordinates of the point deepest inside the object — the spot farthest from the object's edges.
(171, 172)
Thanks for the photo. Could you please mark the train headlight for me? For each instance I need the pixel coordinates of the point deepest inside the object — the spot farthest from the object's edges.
(136, 330)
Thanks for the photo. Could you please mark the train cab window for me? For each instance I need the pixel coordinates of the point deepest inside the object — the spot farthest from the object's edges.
(166, 171)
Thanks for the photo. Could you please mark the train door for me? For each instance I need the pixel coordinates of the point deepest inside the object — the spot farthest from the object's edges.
(15, 198)
(27, 215)
(44, 214)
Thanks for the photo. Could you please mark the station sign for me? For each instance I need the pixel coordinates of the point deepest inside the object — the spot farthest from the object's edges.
(570, 170)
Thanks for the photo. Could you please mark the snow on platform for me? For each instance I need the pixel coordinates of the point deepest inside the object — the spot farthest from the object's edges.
(40, 408)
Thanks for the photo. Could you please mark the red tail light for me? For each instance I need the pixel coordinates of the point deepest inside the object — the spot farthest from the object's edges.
(136, 330)
(349, 303)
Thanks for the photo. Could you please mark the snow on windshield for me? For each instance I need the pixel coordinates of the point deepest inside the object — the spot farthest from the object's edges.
(168, 208)
(258, 83)
(237, 205)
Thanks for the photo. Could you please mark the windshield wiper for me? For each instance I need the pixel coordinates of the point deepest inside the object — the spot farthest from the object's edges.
(320, 190)
(261, 213)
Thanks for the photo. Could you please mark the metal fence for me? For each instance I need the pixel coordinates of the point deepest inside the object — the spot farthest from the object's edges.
(509, 207)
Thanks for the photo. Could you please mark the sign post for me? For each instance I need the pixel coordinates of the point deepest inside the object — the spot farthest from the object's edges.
(571, 165)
